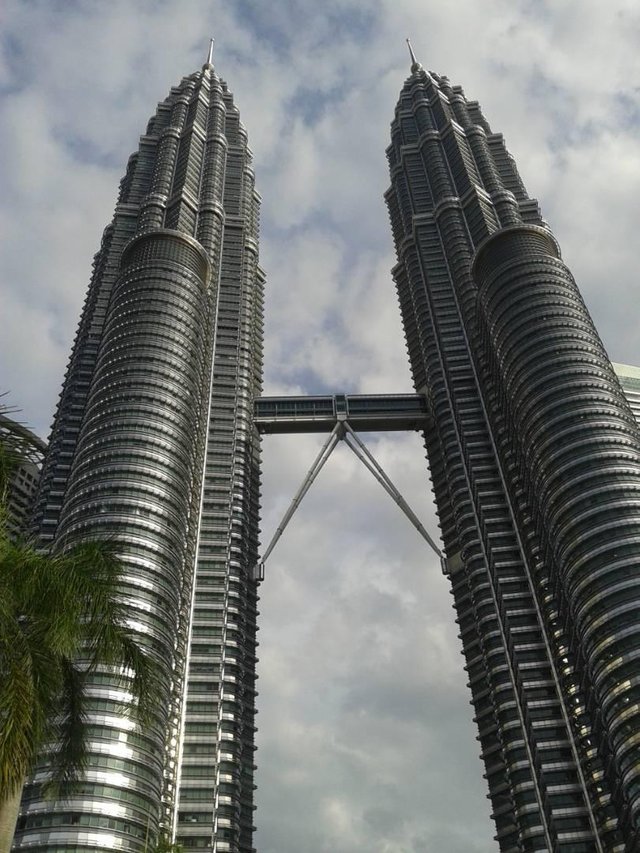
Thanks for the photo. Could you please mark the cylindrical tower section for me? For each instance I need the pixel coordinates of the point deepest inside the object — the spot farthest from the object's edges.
(579, 449)
(211, 213)
(155, 203)
(138, 463)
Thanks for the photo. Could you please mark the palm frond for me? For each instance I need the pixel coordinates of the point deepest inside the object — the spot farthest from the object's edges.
(61, 618)
(146, 675)
(68, 756)
(18, 722)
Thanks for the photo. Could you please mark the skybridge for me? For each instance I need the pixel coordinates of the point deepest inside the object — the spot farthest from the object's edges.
(343, 416)
(365, 413)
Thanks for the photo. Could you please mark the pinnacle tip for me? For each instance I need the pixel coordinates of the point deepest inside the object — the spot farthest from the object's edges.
(415, 65)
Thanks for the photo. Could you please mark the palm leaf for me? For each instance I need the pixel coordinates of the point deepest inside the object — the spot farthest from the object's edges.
(68, 756)
(61, 618)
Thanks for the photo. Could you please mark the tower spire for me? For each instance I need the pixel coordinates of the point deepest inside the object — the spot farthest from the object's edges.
(415, 65)
(209, 61)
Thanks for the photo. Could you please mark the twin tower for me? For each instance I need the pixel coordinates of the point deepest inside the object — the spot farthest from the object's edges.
(533, 450)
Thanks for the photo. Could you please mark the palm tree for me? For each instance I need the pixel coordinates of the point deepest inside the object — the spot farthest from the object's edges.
(60, 618)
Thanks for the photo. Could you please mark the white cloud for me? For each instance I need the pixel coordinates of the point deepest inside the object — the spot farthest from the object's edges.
(365, 739)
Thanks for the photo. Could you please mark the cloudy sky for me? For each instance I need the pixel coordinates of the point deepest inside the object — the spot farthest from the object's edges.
(365, 738)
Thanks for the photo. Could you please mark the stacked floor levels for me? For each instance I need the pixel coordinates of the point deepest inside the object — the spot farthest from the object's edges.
(153, 446)
(535, 460)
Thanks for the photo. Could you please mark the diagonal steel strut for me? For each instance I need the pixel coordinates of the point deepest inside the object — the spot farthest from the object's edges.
(342, 431)
(366, 457)
(327, 449)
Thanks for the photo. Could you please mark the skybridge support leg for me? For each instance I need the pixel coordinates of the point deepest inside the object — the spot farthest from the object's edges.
(342, 431)
(364, 455)
(328, 447)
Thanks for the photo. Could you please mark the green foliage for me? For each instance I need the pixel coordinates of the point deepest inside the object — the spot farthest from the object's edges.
(60, 619)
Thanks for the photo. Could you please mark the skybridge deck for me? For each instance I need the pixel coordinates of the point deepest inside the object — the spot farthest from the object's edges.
(365, 413)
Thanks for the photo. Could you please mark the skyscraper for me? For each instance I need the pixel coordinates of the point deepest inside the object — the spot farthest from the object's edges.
(28, 450)
(534, 455)
(535, 460)
(629, 377)
(152, 446)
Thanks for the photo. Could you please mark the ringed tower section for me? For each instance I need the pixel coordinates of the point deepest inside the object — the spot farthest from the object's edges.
(153, 447)
(534, 460)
